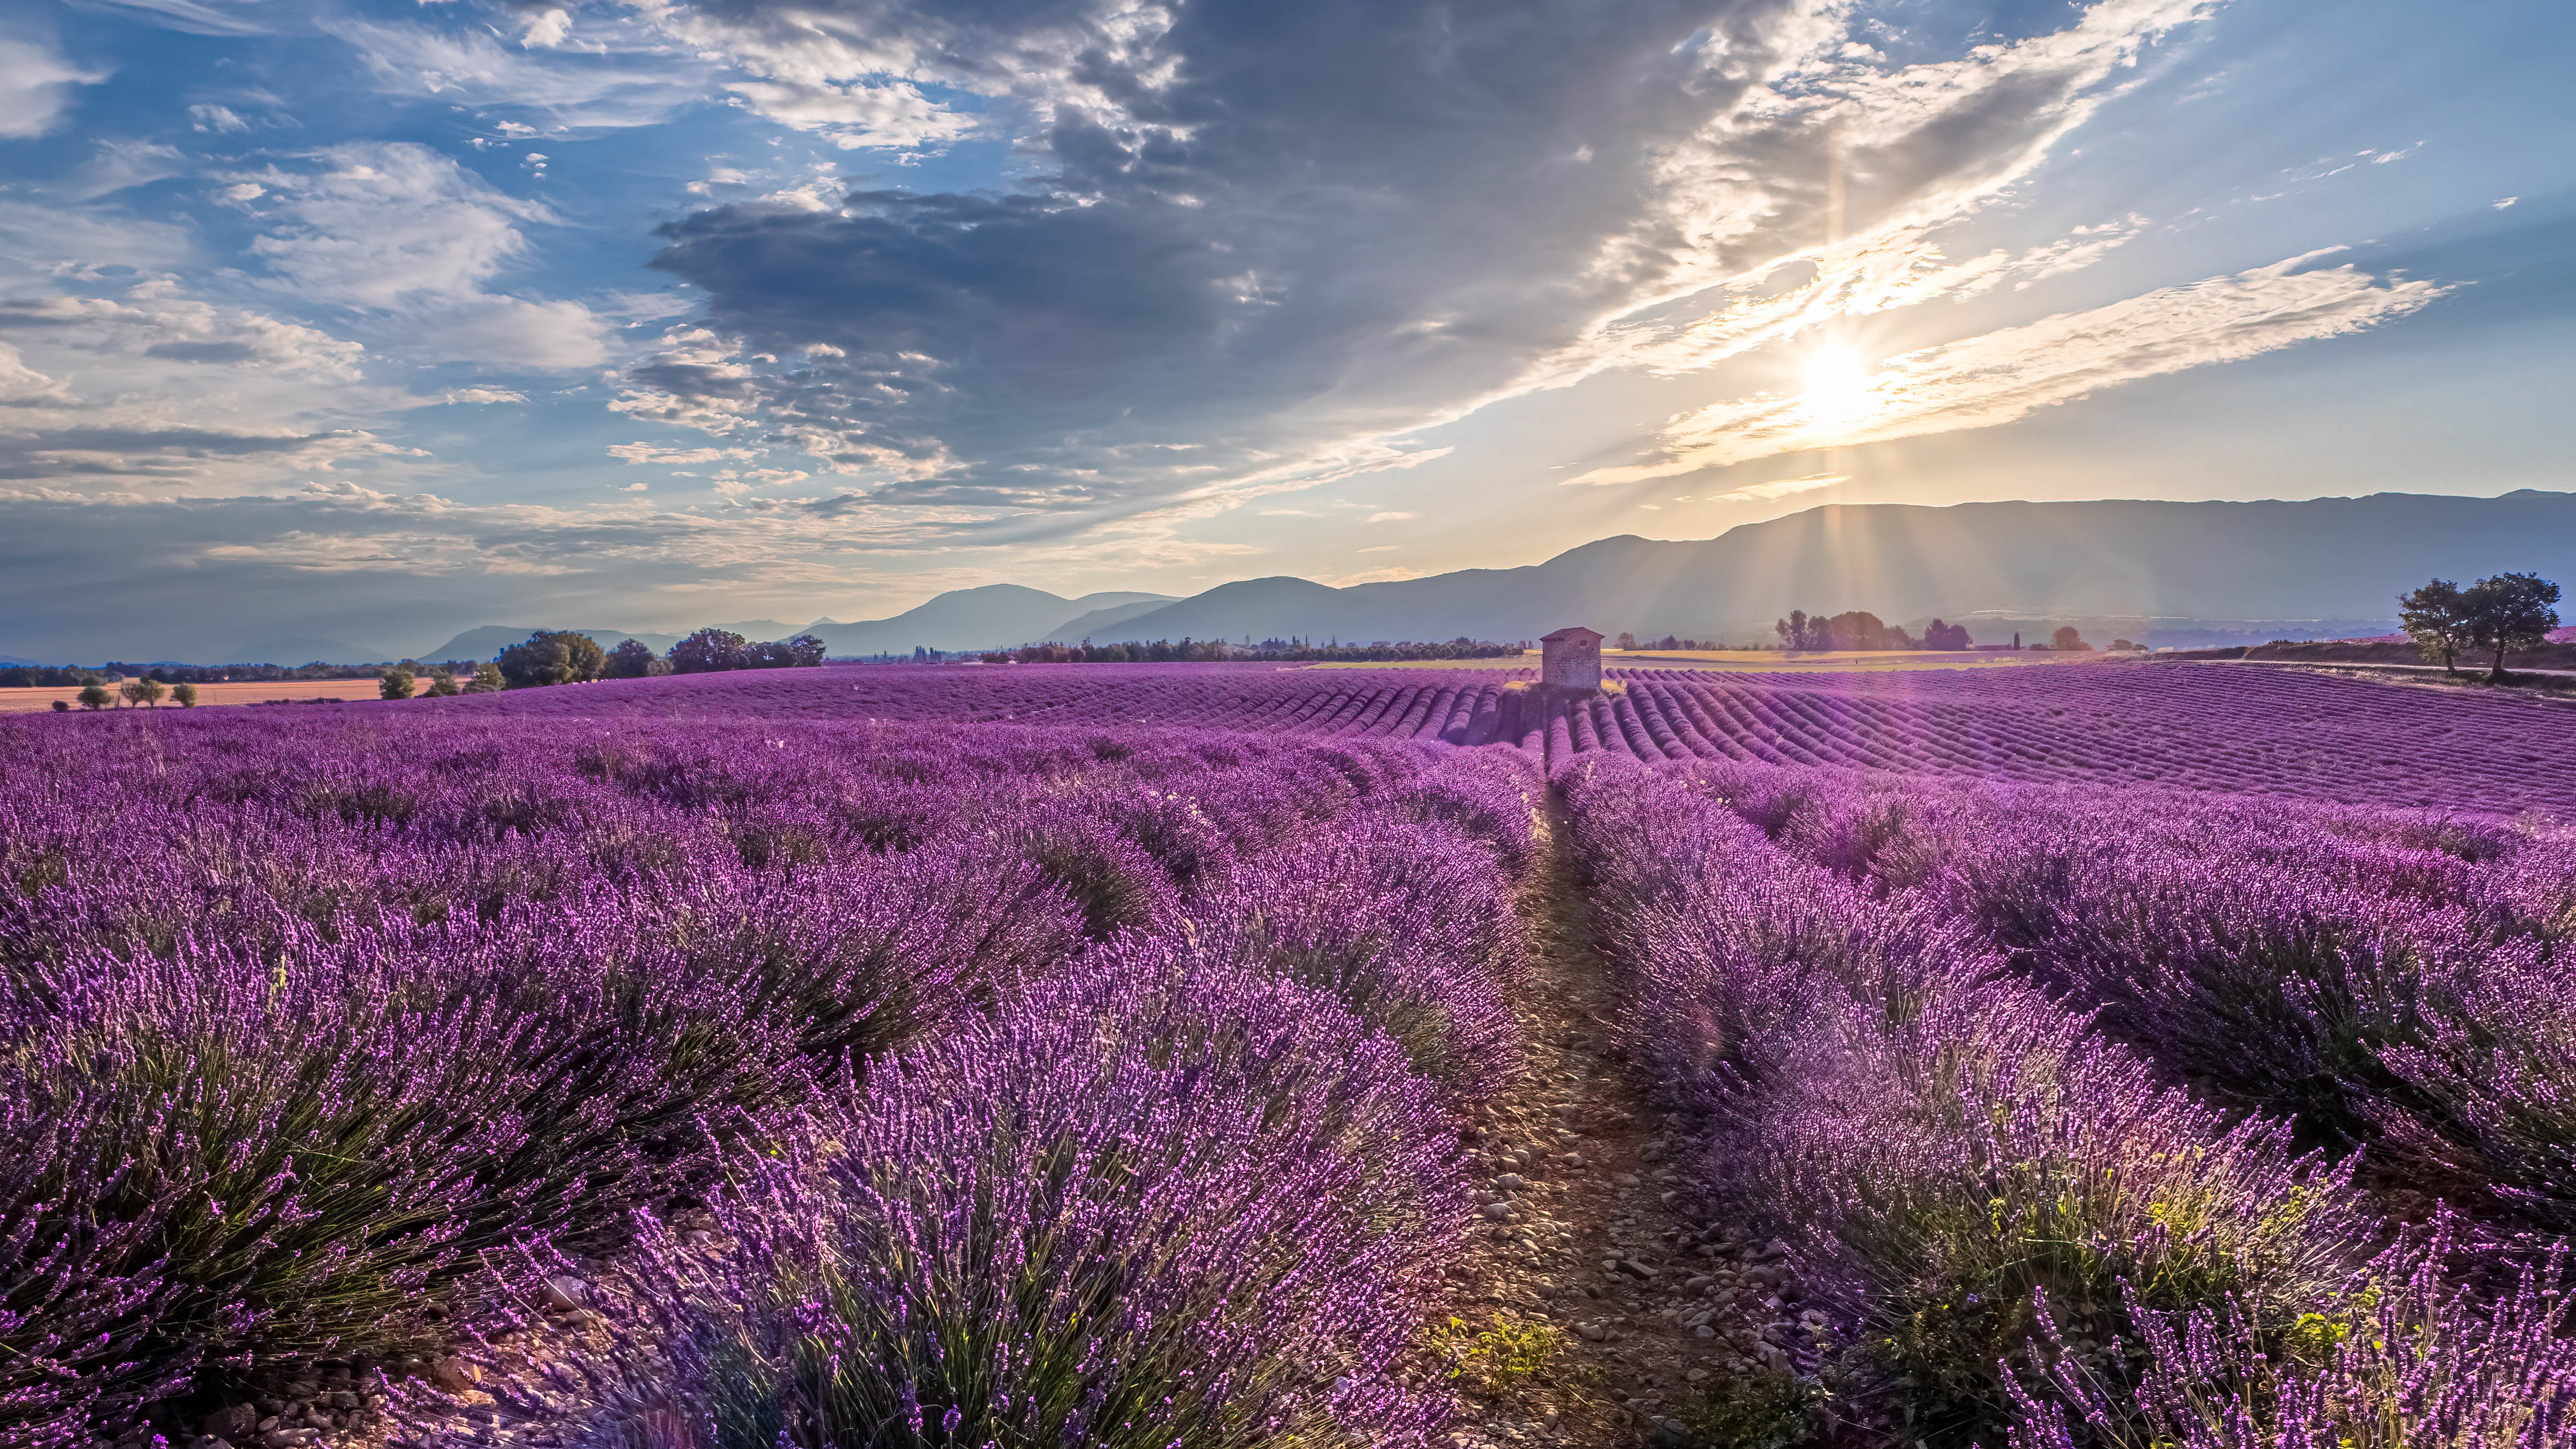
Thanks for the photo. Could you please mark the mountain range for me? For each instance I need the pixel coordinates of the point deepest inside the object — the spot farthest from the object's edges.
(2338, 560)
(2160, 573)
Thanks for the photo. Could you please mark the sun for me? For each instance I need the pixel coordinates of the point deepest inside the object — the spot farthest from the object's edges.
(1837, 391)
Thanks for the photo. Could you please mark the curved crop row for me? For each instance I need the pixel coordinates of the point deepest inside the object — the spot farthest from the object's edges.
(2207, 727)
(2015, 1226)
(305, 1022)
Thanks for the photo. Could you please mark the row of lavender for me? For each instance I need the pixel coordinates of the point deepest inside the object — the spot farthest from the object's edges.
(2205, 726)
(2050, 1094)
(1033, 1086)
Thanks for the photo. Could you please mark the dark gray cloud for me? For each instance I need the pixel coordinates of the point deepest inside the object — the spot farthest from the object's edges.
(1266, 227)
(1263, 228)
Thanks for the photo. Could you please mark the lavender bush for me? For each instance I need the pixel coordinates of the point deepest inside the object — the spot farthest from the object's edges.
(1944, 1148)
(1167, 1201)
(2403, 1357)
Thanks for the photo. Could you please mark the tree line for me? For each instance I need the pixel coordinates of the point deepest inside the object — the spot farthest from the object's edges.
(71, 676)
(1185, 650)
(2508, 614)
(561, 656)
(1857, 629)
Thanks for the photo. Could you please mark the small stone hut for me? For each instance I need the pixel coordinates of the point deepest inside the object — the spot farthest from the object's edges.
(1570, 658)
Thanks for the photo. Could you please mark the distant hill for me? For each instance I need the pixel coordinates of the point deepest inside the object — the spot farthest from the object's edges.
(2335, 561)
(983, 618)
(1074, 631)
(489, 640)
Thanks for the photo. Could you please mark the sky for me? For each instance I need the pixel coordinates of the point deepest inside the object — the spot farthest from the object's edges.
(373, 320)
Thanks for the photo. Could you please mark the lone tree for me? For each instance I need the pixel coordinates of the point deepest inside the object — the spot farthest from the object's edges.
(184, 695)
(2509, 612)
(94, 696)
(2436, 618)
(1940, 635)
(145, 690)
(552, 656)
(396, 683)
(2066, 640)
(487, 679)
(631, 659)
(708, 651)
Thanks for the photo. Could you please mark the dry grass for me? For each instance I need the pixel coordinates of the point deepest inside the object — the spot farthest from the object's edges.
(16, 701)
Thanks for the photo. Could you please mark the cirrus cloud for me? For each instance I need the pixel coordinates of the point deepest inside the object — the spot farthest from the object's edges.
(1980, 382)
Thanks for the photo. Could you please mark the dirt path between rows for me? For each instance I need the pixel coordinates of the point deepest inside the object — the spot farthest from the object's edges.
(1592, 1250)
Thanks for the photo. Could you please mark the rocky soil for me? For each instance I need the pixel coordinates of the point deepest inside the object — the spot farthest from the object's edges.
(1593, 1237)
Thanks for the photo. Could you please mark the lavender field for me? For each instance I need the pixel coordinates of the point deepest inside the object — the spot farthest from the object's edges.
(1212, 1056)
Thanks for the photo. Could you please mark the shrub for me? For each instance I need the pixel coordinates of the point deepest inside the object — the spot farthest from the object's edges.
(1164, 1203)
(396, 683)
(550, 657)
(1509, 1357)
(184, 695)
(631, 659)
(2403, 1357)
(708, 651)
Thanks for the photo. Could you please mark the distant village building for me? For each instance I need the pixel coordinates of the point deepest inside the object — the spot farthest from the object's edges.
(1570, 658)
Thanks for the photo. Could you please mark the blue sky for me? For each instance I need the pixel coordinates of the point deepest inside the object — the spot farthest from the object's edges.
(379, 320)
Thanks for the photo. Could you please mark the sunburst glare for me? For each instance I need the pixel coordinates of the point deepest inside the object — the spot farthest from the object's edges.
(1837, 391)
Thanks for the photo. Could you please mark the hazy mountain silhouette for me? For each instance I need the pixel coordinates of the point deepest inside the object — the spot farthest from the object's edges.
(988, 617)
(2338, 559)
(2160, 572)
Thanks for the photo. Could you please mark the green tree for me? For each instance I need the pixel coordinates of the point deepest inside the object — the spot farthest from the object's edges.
(631, 659)
(184, 695)
(94, 696)
(552, 656)
(2067, 640)
(2436, 618)
(487, 679)
(396, 683)
(709, 650)
(2507, 613)
(442, 683)
(144, 690)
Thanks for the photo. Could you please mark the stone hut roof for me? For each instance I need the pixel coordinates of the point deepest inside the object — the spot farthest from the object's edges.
(1572, 631)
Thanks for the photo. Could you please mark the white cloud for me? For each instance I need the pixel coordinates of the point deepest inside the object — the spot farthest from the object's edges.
(21, 385)
(396, 228)
(1391, 516)
(1979, 382)
(2502, 202)
(484, 395)
(379, 225)
(548, 28)
(36, 85)
(200, 17)
(516, 333)
(890, 115)
(218, 119)
(1776, 488)
(656, 453)
(153, 320)
(117, 165)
